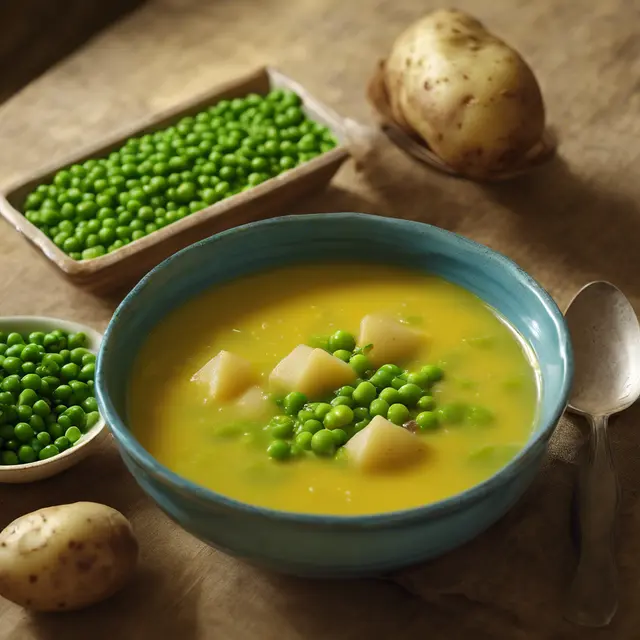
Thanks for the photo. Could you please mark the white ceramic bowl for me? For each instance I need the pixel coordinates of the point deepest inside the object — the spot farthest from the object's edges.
(20, 473)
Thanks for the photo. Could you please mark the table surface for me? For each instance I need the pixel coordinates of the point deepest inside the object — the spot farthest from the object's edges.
(575, 220)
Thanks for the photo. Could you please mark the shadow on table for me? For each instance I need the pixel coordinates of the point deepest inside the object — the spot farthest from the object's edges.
(585, 225)
(141, 608)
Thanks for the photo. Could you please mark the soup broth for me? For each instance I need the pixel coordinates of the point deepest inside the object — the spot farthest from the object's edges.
(262, 318)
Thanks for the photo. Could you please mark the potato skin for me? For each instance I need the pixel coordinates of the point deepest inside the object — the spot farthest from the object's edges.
(465, 92)
(66, 557)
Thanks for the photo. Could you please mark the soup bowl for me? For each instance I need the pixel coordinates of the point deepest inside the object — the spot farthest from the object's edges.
(325, 545)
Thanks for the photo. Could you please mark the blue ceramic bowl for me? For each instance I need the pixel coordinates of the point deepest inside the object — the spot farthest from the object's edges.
(336, 546)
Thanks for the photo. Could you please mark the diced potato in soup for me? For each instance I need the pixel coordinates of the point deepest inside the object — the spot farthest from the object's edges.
(313, 372)
(384, 446)
(227, 376)
(254, 403)
(392, 341)
(322, 400)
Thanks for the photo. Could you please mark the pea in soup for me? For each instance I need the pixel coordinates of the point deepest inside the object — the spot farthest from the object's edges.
(334, 389)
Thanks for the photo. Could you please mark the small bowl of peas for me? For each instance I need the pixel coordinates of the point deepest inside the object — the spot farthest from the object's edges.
(49, 418)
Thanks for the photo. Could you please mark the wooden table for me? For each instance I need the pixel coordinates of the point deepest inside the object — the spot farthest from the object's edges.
(576, 220)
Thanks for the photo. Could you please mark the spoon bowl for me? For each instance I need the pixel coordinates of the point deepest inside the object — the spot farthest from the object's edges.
(606, 341)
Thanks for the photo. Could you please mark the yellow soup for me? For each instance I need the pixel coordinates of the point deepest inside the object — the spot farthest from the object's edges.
(262, 318)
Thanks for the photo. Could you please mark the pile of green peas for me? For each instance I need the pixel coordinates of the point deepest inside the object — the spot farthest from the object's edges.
(99, 206)
(46, 394)
(402, 397)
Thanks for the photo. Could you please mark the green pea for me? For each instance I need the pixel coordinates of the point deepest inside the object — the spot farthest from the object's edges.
(381, 379)
(54, 358)
(80, 389)
(427, 420)
(303, 439)
(55, 430)
(63, 392)
(41, 408)
(379, 408)
(342, 340)
(35, 445)
(12, 445)
(12, 365)
(15, 351)
(14, 338)
(23, 432)
(76, 355)
(312, 426)
(29, 367)
(426, 403)
(390, 395)
(420, 379)
(392, 369)
(8, 458)
(36, 423)
(6, 398)
(24, 412)
(65, 354)
(43, 438)
(360, 364)
(293, 402)
(321, 410)
(90, 404)
(26, 454)
(63, 420)
(30, 353)
(398, 414)
(12, 384)
(340, 436)
(62, 443)
(433, 372)
(73, 434)
(410, 394)
(360, 425)
(361, 413)
(69, 371)
(345, 391)
(364, 394)
(323, 443)
(282, 429)
(451, 413)
(306, 414)
(31, 381)
(342, 401)
(36, 337)
(343, 355)
(279, 450)
(339, 416)
(48, 452)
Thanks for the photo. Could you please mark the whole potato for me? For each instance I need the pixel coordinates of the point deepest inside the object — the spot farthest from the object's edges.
(465, 92)
(66, 557)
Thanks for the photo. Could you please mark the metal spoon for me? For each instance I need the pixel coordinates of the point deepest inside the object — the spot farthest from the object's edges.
(606, 343)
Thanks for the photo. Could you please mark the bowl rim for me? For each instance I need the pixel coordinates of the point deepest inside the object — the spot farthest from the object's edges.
(474, 494)
(96, 337)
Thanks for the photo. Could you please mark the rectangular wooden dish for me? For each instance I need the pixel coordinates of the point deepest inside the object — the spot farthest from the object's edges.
(125, 266)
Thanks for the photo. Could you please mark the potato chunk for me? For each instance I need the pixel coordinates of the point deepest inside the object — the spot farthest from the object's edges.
(253, 403)
(383, 446)
(313, 372)
(227, 376)
(392, 341)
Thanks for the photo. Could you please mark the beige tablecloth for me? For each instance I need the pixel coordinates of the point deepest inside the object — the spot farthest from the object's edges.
(576, 220)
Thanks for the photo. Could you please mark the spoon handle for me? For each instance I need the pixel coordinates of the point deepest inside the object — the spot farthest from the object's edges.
(593, 597)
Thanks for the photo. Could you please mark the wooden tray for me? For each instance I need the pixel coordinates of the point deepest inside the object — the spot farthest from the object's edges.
(125, 266)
